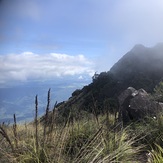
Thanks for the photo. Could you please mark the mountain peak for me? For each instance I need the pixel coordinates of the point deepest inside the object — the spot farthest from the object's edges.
(138, 47)
(140, 62)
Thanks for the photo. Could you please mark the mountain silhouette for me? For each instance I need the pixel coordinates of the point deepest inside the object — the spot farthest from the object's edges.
(141, 67)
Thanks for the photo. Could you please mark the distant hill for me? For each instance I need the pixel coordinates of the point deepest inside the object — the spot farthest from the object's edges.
(19, 99)
(141, 67)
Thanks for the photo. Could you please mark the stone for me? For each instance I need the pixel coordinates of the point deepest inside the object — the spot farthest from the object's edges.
(136, 105)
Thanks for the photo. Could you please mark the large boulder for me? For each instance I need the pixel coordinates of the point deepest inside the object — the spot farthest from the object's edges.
(137, 104)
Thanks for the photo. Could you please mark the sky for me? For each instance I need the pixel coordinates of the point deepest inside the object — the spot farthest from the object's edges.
(44, 40)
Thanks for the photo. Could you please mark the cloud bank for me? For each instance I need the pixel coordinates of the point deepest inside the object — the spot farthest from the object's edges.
(31, 66)
(104, 30)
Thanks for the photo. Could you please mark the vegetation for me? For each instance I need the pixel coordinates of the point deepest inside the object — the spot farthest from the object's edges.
(80, 141)
(83, 138)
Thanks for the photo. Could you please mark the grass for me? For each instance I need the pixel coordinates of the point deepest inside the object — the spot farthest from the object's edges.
(90, 139)
(84, 141)
(156, 155)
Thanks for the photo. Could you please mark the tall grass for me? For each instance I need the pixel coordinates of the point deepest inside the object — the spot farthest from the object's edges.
(83, 142)
(156, 155)
(36, 122)
(91, 139)
(15, 132)
(46, 118)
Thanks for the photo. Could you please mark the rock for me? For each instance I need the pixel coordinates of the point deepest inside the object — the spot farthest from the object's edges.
(137, 104)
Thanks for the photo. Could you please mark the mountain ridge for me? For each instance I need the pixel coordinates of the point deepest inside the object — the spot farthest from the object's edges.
(141, 67)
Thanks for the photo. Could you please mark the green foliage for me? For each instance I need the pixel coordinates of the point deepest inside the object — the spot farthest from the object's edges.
(150, 130)
(159, 88)
(158, 92)
(156, 155)
(111, 105)
(79, 134)
(108, 147)
(76, 92)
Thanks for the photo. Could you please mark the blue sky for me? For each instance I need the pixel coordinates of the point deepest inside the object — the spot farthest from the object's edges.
(49, 39)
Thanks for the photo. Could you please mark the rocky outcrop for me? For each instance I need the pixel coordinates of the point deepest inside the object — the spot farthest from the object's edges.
(137, 104)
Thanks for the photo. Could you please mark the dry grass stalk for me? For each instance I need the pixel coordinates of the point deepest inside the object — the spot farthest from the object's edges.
(5, 135)
(15, 132)
(36, 122)
(46, 117)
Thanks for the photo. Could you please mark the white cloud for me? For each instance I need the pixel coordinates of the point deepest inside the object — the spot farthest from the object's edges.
(28, 66)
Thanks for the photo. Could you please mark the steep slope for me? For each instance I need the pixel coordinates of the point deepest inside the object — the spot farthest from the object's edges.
(141, 67)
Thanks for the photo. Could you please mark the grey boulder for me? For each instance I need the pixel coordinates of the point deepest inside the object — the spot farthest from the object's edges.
(136, 105)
